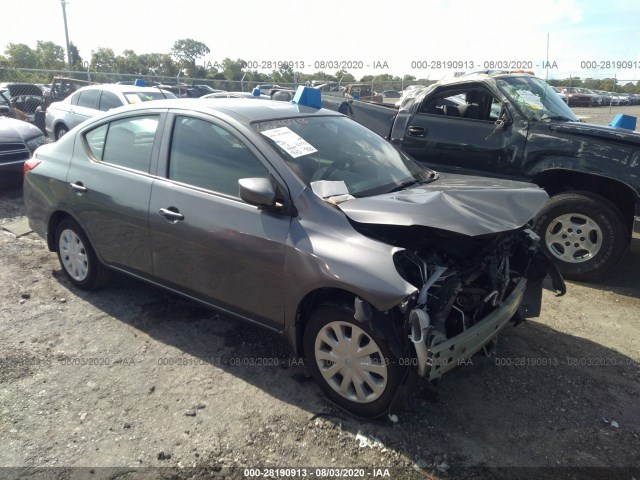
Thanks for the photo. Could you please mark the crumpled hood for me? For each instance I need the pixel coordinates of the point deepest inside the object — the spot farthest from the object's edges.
(458, 203)
(599, 131)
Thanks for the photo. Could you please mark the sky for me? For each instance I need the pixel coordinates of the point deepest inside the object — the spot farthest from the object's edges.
(428, 39)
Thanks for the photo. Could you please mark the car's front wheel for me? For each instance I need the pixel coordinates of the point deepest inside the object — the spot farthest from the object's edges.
(583, 233)
(353, 367)
(77, 257)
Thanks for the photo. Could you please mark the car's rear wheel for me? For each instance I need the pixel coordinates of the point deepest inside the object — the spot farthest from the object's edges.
(353, 367)
(61, 131)
(583, 233)
(77, 257)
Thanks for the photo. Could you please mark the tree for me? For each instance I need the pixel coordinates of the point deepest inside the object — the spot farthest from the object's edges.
(344, 77)
(284, 74)
(20, 55)
(232, 69)
(49, 56)
(128, 63)
(188, 51)
(76, 59)
(103, 60)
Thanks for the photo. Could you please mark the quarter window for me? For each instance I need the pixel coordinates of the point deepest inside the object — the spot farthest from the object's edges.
(207, 156)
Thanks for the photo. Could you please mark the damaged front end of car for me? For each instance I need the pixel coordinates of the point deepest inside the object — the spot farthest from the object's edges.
(467, 289)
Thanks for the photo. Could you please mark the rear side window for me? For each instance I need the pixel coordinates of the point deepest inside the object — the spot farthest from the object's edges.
(126, 143)
(109, 100)
(89, 98)
(207, 156)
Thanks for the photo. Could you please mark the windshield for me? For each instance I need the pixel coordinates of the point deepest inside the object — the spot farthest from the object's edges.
(536, 99)
(338, 149)
(135, 97)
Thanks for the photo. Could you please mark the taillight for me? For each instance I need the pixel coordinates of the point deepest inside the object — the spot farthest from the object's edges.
(30, 165)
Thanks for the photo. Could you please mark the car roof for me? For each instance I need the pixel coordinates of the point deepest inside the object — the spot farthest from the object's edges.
(116, 88)
(237, 108)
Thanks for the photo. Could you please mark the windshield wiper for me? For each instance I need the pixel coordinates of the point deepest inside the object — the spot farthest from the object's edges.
(555, 117)
(410, 183)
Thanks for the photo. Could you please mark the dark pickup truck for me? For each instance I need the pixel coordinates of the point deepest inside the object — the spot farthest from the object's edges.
(513, 125)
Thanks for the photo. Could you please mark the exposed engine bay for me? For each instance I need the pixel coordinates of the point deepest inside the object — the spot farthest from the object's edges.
(463, 282)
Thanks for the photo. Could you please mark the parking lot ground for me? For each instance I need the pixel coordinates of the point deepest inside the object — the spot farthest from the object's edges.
(132, 376)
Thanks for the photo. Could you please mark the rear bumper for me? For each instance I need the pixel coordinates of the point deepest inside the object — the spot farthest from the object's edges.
(448, 355)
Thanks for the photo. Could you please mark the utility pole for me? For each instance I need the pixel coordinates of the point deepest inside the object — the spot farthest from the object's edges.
(66, 32)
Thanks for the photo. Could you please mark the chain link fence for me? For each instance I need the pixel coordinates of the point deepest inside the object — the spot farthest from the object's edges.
(26, 92)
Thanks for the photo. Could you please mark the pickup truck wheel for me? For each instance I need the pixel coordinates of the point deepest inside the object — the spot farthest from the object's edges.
(77, 257)
(583, 233)
(353, 367)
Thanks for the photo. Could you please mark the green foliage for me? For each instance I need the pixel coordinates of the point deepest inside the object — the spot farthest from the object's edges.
(103, 60)
(187, 51)
(20, 55)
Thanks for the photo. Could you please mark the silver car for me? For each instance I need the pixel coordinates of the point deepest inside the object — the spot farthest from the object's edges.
(89, 101)
(303, 221)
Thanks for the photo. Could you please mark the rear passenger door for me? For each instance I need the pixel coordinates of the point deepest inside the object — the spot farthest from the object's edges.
(206, 241)
(110, 185)
(83, 106)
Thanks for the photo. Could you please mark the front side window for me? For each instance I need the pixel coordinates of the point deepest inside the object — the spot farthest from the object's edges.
(126, 143)
(109, 100)
(472, 102)
(207, 156)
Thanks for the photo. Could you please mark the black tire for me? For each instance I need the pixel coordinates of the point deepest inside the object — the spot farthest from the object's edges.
(377, 375)
(61, 131)
(583, 233)
(77, 258)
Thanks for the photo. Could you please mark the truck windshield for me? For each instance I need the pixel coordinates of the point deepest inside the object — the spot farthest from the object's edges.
(337, 149)
(536, 99)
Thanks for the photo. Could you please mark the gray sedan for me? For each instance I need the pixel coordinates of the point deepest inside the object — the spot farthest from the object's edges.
(303, 221)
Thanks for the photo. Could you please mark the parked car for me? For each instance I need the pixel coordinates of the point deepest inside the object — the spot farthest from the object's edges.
(562, 96)
(303, 221)
(624, 99)
(615, 99)
(236, 95)
(266, 89)
(606, 97)
(18, 141)
(597, 99)
(577, 97)
(512, 125)
(24, 97)
(90, 101)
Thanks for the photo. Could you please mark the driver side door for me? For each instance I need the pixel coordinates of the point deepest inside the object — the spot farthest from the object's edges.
(464, 129)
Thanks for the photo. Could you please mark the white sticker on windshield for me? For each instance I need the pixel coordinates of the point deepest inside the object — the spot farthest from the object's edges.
(531, 98)
(290, 142)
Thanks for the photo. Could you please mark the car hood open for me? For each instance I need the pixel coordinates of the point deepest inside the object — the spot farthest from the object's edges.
(457, 203)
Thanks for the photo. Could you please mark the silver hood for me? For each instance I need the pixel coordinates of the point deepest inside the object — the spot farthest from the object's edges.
(458, 203)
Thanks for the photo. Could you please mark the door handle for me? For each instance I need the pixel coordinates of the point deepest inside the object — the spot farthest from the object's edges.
(78, 187)
(416, 131)
(171, 213)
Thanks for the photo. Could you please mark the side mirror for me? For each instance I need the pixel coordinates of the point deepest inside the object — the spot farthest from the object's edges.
(4, 110)
(257, 191)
